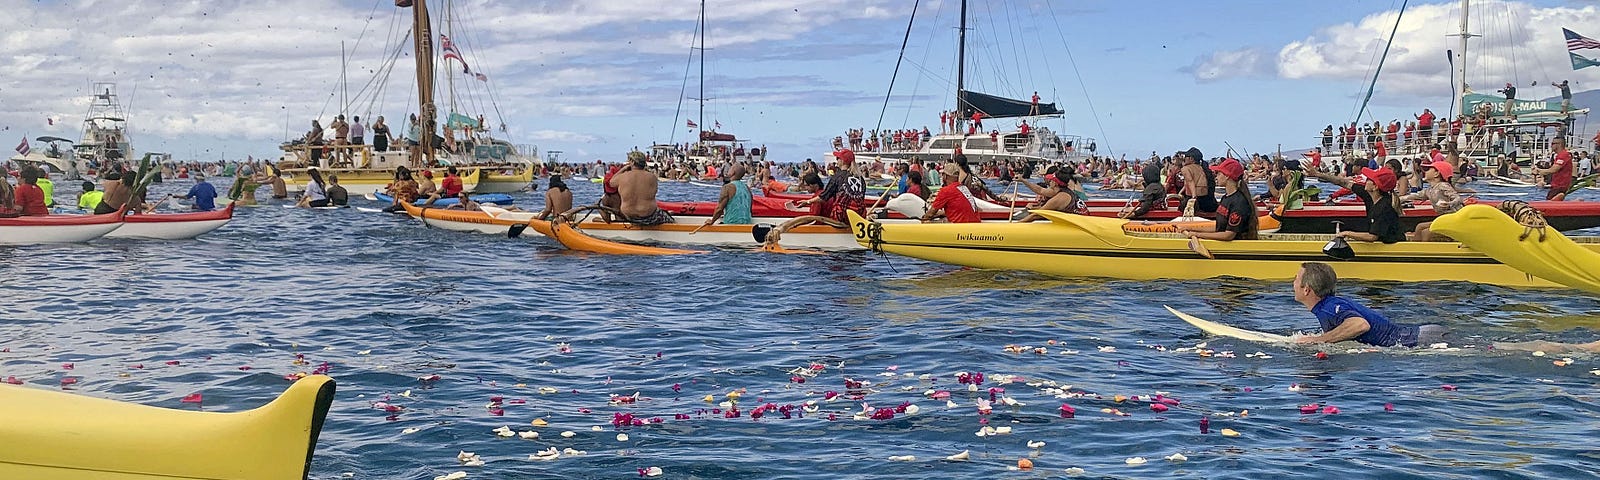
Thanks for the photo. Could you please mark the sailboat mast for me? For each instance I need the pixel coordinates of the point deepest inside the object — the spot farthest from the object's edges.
(961, 69)
(1461, 59)
(422, 31)
(702, 124)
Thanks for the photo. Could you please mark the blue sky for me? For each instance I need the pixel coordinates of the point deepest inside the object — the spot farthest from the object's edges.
(598, 77)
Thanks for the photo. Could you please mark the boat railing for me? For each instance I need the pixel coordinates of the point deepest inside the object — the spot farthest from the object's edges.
(333, 156)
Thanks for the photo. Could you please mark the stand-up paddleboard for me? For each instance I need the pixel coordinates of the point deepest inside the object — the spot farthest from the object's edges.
(1218, 329)
(369, 210)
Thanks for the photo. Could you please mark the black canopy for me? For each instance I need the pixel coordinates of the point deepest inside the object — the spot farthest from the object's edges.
(1001, 107)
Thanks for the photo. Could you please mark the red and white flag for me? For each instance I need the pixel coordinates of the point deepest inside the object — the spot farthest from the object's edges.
(689, 122)
(23, 148)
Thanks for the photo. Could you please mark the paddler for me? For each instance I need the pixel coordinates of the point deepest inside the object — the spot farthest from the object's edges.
(636, 187)
(404, 190)
(203, 194)
(1439, 193)
(733, 205)
(463, 202)
(1343, 319)
(47, 186)
(1198, 181)
(116, 194)
(954, 201)
(90, 197)
(1154, 196)
(1560, 170)
(28, 197)
(845, 191)
(1382, 215)
(1236, 213)
(1068, 195)
(556, 200)
(608, 193)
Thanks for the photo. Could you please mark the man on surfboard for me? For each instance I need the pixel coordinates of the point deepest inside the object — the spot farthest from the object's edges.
(1343, 319)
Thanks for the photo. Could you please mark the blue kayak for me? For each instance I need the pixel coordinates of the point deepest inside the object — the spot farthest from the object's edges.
(495, 198)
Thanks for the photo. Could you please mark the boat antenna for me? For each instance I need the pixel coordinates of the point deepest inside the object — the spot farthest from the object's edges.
(702, 99)
(1385, 56)
(897, 61)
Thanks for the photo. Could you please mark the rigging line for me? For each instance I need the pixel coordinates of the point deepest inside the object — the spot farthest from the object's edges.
(1374, 63)
(365, 26)
(373, 81)
(1379, 70)
(1016, 44)
(1087, 99)
(683, 90)
(489, 91)
(898, 58)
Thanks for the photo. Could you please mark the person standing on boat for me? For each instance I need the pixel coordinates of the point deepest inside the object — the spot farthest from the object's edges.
(733, 205)
(314, 144)
(1236, 213)
(1560, 170)
(380, 135)
(337, 195)
(1198, 181)
(1342, 319)
(1382, 215)
(1511, 99)
(1439, 193)
(358, 132)
(203, 194)
(556, 200)
(1425, 126)
(637, 186)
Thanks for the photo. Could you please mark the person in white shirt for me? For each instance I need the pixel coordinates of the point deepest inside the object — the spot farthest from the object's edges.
(1585, 166)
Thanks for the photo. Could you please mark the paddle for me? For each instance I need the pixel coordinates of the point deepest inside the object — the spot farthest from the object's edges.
(516, 230)
(760, 231)
(157, 204)
(697, 229)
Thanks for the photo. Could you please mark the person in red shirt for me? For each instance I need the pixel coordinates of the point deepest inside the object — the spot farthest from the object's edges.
(1024, 128)
(977, 120)
(30, 198)
(1425, 126)
(954, 201)
(1560, 171)
(1316, 158)
(944, 121)
(609, 196)
(449, 188)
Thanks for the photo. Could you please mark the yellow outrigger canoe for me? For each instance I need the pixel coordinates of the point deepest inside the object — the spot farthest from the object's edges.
(50, 435)
(1083, 246)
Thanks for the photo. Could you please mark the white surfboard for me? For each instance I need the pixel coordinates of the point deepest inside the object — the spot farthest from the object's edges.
(1218, 329)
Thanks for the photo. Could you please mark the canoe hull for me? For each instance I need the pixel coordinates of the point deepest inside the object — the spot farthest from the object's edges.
(465, 221)
(57, 228)
(1071, 251)
(172, 226)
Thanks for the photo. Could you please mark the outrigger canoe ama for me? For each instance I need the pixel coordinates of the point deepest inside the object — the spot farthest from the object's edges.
(1082, 246)
(62, 436)
(1543, 252)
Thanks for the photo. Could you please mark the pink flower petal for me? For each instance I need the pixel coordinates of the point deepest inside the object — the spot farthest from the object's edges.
(67, 366)
(1309, 409)
(13, 380)
(1158, 407)
(172, 362)
(69, 380)
(192, 398)
(1448, 388)
(1205, 425)
(1388, 407)
(1067, 411)
(1330, 410)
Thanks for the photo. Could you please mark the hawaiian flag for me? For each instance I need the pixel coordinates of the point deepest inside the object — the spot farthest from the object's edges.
(481, 77)
(1579, 42)
(690, 122)
(23, 148)
(449, 49)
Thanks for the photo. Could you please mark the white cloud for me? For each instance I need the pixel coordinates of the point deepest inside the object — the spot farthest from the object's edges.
(1243, 62)
(562, 136)
(1519, 43)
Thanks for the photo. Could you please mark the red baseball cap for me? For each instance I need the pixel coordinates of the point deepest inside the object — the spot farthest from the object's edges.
(1382, 178)
(846, 156)
(1231, 168)
(1445, 168)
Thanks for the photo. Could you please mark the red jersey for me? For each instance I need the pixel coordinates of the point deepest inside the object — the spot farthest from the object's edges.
(605, 186)
(30, 198)
(1560, 180)
(1316, 159)
(451, 186)
(1425, 120)
(957, 204)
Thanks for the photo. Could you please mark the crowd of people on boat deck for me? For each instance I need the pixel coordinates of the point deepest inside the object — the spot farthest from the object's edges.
(340, 141)
(898, 140)
(1482, 129)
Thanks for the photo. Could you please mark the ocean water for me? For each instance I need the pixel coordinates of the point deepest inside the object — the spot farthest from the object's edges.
(385, 302)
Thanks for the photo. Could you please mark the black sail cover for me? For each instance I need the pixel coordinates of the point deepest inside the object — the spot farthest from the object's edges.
(1001, 107)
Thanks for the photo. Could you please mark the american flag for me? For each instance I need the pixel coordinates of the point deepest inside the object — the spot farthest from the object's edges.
(689, 122)
(716, 124)
(481, 77)
(23, 148)
(1579, 42)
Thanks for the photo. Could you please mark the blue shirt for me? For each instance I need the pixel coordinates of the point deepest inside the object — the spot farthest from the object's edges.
(1333, 310)
(204, 196)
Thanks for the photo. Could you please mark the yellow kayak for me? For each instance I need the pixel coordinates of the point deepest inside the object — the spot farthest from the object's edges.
(1548, 255)
(50, 435)
(1083, 246)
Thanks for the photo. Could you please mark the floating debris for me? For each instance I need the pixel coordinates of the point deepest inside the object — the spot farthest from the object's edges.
(1135, 461)
(1177, 457)
(902, 458)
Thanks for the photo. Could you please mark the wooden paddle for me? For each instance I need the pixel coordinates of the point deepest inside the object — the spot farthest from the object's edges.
(697, 229)
(157, 204)
(1200, 248)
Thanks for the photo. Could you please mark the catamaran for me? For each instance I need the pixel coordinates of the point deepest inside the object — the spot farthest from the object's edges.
(711, 146)
(1033, 144)
(487, 162)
